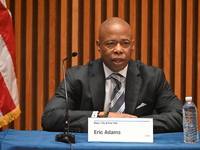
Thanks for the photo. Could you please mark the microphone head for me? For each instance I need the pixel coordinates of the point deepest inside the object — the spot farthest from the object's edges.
(74, 54)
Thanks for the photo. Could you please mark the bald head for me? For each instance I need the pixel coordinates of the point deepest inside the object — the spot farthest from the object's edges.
(115, 43)
(113, 24)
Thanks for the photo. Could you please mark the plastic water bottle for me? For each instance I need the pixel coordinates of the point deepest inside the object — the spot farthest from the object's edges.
(190, 121)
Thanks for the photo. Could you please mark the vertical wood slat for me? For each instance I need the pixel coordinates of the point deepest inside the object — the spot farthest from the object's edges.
(75, 29)
(164, 33)
(40, 64)
(52, 47)
(97, 24)
(132, 23)
(121, 9)
(167, 34)
(155, 33)
(17, 28)
(86, 32)
(63, 34)
(178, 48)
(109, 8)
(189, 48)
(144, 31)
(198, 64)
(29, 67)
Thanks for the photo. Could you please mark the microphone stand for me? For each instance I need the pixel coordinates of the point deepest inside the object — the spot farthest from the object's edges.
(66, 137)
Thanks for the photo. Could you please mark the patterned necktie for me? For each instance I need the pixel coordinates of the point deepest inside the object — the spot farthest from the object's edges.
(118, 97)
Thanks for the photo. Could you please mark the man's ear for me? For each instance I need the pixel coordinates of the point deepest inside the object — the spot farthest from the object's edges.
(98, 45)
(133, 45)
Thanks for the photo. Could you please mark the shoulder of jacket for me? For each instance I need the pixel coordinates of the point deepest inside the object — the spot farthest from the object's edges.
(85, 66)
(142, 66)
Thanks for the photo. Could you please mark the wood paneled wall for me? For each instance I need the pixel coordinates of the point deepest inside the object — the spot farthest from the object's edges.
(166, 33)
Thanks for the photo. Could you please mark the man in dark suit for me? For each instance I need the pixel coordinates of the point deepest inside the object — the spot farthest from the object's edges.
(89, 87)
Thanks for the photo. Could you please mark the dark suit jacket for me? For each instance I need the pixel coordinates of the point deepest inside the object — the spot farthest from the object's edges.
(86, 93)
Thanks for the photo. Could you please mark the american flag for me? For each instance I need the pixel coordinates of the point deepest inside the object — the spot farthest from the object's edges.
(9, 101)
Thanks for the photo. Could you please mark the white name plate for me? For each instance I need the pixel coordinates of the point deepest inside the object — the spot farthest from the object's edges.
(120, 129)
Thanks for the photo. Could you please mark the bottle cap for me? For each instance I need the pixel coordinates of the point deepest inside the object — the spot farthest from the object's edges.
(189, 98)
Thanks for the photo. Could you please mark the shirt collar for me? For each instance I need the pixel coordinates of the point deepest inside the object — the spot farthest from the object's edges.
(108, 72)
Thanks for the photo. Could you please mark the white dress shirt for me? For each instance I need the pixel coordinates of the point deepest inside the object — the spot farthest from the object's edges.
(109, 86)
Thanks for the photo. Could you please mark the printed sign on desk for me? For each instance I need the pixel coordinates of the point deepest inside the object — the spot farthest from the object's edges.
(120, 129)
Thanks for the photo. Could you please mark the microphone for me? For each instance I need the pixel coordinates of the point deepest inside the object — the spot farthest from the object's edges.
(74, 54)
(66, 137)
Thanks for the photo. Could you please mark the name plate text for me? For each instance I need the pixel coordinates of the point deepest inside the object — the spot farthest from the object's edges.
(120, 129)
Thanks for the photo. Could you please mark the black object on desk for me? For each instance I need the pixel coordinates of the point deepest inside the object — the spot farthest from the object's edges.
(65, 136)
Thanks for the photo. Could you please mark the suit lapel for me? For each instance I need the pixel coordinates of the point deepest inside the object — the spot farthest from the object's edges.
(97, 84)
(133, 85)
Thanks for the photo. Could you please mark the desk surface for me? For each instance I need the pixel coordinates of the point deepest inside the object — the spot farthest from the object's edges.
(43, 140)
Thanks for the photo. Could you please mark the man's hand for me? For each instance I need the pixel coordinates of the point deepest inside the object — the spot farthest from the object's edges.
(120, 115)
(117, 115)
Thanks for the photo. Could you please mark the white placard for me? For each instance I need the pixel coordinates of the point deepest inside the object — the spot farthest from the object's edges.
(120, 129)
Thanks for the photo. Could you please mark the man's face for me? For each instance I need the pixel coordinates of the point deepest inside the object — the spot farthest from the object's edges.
(116, 46)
